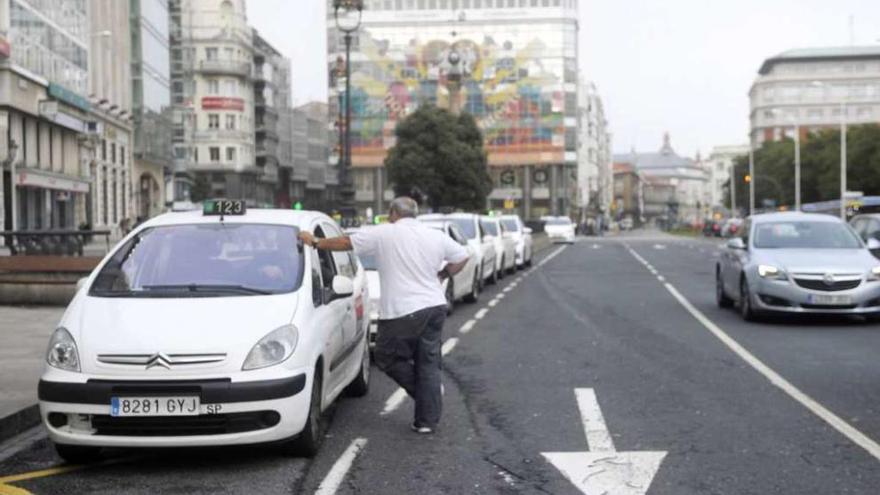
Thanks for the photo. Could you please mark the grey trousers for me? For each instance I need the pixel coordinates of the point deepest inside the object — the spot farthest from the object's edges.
(408, 350)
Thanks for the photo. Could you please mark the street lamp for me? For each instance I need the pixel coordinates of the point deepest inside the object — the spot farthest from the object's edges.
(797, 159)
(820, 84)
(348, 20)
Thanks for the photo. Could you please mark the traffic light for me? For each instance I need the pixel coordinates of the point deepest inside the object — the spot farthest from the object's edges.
(748, 178)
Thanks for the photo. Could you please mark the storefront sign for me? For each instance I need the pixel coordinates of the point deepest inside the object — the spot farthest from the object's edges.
(49, 111)
(5, 48)
(61, 93)
(222, 103)
(32, 178)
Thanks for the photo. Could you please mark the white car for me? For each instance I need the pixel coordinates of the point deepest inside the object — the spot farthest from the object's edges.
(469, 225)
(522, 236)
(559, 229)
(504, 244)
(466, 283)
(201, 330)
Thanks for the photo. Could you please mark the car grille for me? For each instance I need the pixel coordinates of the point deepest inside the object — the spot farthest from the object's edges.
(832, 287)
(825, 307)
(176, 426)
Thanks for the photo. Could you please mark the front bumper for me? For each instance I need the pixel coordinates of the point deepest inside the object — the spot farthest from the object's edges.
(787, 297)
(561, 237)
(231, 413)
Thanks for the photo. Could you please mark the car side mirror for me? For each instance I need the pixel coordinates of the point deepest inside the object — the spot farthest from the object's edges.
(527, 230)
(342, 286)
(81, 283)
(736, 243)
(873, 243)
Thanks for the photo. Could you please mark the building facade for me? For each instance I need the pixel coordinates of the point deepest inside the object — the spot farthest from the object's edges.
(44, 115)
(512, 64)
(814, 88)
(151, 106)
(594, 171)
(213, 131)
(720, 165)
(271, 97)
(310, 144)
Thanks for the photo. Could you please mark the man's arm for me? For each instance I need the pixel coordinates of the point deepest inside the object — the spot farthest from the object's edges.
(341, 243)
(453, 268)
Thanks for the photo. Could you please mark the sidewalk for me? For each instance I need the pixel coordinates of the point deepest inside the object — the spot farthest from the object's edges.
(25, 332)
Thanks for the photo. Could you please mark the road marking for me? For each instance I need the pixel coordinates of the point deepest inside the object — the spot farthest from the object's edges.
(509, 288)
(660, 278)
(492, 303)
(13, 490)
(660, 246)
(596, 246)
(393, 402)
(552, 255)
(331, 483)
(449, 345)
(481, 313)
(603, 470)
(6, 489)
(499, 296)
(776, 379)
(468, 326)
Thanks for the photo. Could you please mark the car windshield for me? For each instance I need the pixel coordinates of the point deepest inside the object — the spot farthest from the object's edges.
(467, 227)
(205, 260)
(558, 221)
(490, 227)
(510, 225)
(809, 235)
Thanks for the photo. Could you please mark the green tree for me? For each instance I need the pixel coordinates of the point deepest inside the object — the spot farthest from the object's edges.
(439, 156)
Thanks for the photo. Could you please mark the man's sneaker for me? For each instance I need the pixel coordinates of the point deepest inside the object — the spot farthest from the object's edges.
(422, 430)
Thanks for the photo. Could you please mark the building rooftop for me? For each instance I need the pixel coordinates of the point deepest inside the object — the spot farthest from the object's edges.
(820, 54)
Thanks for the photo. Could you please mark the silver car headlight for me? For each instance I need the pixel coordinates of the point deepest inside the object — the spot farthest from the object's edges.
(874, 274)
(274, 348)
(62, 353)
(771, 272)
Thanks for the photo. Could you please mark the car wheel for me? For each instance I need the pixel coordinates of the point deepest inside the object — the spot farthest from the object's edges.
(720, 296)
(746, 310)
(78, 454)
(497, 274)
(529, 260)
(474, 295)
(361, 383)
(306, 444)
(450, 297)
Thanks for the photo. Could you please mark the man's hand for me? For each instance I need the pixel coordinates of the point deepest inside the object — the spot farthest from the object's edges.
(307, 238)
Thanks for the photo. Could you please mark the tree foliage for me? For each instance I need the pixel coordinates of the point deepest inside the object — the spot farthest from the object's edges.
(439, 159)
(820, 167)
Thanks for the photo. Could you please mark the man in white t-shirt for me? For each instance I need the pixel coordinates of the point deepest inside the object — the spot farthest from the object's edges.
(413, 304)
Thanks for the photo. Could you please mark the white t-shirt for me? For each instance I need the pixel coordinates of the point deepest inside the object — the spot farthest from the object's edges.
(408, 256)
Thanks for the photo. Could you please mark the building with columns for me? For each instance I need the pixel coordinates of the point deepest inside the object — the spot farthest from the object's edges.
(513, 68)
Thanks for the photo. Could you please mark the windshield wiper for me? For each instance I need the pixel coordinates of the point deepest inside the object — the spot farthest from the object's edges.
(240, 289)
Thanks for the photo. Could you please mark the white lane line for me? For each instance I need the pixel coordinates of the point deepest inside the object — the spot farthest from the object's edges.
(468, 326)
(508, 288)
(775, 378)
(481, 313)
(393, 402)
(661, 278)
(492, 303)
(331, 483)
(449, 345)
(500, 296)
(552, 255)
(598, 437)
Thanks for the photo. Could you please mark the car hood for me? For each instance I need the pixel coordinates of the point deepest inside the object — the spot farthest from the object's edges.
(819, 260)
(205, 325)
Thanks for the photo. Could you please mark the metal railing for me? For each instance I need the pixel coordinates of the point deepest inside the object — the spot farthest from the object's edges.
(52, 242)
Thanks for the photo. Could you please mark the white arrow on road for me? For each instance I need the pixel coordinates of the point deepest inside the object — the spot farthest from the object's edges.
(604, 470)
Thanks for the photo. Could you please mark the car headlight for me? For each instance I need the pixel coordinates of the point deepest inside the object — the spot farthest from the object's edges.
(770, 271)
(62, 353)
(874, 274)
(274, 348)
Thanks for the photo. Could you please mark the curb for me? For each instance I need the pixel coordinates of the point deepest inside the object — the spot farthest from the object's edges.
(19, 422)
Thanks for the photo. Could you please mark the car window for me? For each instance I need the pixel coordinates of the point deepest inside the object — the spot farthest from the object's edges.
(317, 284)
(872, 230)
(203, 260)
(558, 221)
(341, 260)
(805, 235)
(859, 224)
(490, 227)
(510, 225)
(467, 227)
(456, 234)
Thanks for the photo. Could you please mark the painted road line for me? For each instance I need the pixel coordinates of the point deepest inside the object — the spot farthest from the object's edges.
(468, 326)
(508, 288)
(552, 255)
(481, 313)
(331, 483)
(67, 468)
(775, 378)
(449, 345)
(500, 296)
(13, 490)
(493, 303)
(393, 402)
(598, 437)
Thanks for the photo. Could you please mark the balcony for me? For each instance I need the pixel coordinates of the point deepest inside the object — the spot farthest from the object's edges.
(268, 129)
(267, 149)
(221, 135)
(227, 67)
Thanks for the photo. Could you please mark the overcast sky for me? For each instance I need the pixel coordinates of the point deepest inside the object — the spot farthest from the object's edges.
(683, 66)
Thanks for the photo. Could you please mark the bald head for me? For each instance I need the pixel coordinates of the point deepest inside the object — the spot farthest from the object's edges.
(403, 207)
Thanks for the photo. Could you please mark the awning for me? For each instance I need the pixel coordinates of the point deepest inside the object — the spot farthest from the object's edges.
(47, 180)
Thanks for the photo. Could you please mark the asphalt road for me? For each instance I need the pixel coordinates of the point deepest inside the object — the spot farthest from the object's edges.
(592, 317)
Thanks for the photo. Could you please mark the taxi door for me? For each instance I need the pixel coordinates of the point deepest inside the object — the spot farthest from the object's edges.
(333, 313)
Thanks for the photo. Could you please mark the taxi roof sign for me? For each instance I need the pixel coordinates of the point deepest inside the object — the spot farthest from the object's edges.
(223, 207)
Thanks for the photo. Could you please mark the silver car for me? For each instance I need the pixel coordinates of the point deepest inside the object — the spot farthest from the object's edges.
(798, 263)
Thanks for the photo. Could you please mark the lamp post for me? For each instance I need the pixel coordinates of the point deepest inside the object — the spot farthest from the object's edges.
(348, 19)
(820, 84)
(751, 177)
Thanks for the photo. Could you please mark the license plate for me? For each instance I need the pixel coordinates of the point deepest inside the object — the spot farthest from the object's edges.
(824, 300)
(154, 406)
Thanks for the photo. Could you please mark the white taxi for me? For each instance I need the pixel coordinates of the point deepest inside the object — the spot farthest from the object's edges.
(204, 328)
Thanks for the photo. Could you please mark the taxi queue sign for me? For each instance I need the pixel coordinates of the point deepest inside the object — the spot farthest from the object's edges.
(223, 207)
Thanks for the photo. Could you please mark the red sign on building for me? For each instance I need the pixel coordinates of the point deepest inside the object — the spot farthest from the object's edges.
(222, 103)
(5, 48)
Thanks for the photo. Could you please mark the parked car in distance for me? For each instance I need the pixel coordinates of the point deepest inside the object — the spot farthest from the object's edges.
(469, 225)
(505, 246)
(522, 236)
(731, 227)
(712, 228)
(868, 228)
(374, 287)
(798, 263)
(560, 229)
(465, 284)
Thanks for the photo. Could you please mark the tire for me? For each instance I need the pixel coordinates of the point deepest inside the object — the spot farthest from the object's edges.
(746, 310)
(528, 262)
(307, 443)
(78, 454)
(721, 297)
(474, 295)
(450, 297)
(497, 274)
(361, 383)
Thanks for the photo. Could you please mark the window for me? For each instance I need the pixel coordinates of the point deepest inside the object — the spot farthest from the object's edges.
(230, 154)
(113, 153)
(213, 87)
(230, 122)
(214, 153)
(211, 53)
(231, 87)
(103, 150)
(122, 155)
(213, 121)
